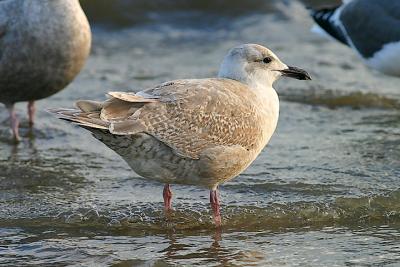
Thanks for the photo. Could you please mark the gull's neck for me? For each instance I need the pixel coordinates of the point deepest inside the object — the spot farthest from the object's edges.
(262, 87)
(259, 86)
(260, 82)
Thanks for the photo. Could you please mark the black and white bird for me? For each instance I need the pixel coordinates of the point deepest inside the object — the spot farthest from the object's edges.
(370, 27)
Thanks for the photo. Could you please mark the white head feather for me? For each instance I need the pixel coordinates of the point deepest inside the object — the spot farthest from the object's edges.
(245, 63)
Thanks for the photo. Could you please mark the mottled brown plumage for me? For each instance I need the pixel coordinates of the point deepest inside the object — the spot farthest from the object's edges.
(193, 119)
(199, 132)
(190, 116)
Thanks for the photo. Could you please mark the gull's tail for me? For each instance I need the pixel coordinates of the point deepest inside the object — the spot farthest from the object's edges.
(328, 23)
(87, 115)
(115, 114)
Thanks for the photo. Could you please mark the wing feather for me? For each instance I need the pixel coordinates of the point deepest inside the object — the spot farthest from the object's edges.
(132, 97)
(189, 116)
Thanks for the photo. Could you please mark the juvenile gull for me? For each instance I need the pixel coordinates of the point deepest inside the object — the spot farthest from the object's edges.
(196, 132)
(370, 27)
(43, 46)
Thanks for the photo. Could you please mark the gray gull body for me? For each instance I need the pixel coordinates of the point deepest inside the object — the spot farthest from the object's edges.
(43, 46)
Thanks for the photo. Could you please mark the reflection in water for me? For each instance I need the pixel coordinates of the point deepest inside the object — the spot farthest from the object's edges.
(328, 246)
(20, 151)
(186, 247)
(32, 184)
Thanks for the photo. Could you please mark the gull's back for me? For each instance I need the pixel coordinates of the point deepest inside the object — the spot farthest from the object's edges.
(43, 46)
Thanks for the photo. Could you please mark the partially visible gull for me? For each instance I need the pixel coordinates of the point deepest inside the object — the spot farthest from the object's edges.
(370, 27)
(43, 46)
(199, 132)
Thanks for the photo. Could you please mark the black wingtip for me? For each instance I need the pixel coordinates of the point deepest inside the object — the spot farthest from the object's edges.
(323, 17)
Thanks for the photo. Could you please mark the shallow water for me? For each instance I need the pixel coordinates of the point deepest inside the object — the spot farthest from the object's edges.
(325, 192)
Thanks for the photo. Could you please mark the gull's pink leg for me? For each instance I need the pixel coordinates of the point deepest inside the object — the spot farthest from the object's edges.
(31, 112)
(167, 194)
(14, 122)
(215, 205)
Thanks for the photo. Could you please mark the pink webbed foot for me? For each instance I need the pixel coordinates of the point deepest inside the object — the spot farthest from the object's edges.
(215, 205)
(167, 194)
(31, 112)
(14, 122)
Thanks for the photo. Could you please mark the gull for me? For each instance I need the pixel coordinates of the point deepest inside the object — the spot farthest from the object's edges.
(43, 46)
(370, 27)
(200, 132)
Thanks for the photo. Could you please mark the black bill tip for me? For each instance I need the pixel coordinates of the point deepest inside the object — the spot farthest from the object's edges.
(296, 73)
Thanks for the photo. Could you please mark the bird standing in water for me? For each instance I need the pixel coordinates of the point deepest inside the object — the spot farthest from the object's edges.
(43, 46)
(199, 132)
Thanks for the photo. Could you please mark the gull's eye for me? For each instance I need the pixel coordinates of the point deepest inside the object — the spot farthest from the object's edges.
(267, 60)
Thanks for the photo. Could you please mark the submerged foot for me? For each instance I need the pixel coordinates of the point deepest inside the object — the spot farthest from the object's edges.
(31, 113)
(167, 195)
(14, 123)
(215, 206)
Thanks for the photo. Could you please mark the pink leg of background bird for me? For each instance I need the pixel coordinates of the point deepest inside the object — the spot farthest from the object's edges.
(14, 121)
(31, 112)
(167, 194)
(215, 205)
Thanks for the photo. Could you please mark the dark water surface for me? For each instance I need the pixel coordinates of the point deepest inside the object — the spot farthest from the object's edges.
(325, 192)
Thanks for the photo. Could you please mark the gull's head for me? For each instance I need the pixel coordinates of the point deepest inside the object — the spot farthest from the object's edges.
(256, 66)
